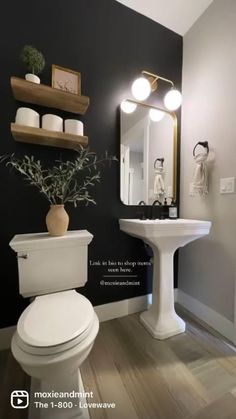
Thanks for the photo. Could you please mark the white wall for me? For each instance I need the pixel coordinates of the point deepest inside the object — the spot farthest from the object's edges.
(207, 266)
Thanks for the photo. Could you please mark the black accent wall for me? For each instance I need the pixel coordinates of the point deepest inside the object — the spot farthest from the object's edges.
(109, 44)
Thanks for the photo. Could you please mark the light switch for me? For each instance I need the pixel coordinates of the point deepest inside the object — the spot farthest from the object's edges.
(227, 185)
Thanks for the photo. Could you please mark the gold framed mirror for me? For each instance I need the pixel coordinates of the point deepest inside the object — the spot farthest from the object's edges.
(148, 153)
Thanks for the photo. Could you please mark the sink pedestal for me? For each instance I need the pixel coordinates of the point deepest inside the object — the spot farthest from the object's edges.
(161, 319)
(164, 237)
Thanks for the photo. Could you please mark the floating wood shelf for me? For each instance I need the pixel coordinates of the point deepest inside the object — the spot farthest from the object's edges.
(25, 134)
(43, 95)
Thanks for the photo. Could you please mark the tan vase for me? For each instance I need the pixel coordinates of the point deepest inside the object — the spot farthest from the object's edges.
(57, 220)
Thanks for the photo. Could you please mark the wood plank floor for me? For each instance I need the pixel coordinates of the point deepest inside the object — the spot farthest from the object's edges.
(189, 376)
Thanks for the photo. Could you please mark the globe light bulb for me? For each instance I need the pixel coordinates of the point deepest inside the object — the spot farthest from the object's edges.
(173, 99)
(156, 115)
(141, 88)
(127, 106)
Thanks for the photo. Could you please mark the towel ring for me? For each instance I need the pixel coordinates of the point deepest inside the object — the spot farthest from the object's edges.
(203, 144)
(160, 159)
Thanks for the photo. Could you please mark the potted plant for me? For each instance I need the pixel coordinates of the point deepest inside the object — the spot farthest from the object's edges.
(34, 62)
(61, 184)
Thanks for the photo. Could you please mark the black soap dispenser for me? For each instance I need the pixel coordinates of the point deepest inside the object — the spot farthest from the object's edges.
(173, 210)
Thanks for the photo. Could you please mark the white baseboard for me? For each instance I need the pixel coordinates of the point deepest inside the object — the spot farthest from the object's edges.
(123, 308)
(221, 324)
(133, 305)
(5, 337)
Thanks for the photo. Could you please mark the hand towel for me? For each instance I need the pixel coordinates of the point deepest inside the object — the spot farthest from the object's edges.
(159, 186)
(200, 183)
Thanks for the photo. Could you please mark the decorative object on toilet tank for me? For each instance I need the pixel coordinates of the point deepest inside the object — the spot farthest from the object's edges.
(57, 220)
(34, 61)
(66, 182)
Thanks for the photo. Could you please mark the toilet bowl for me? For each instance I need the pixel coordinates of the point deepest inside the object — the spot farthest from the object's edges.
(56, 332)
(54, 335)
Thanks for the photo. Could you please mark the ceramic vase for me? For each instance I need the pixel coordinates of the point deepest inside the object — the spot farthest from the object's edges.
(57, 220)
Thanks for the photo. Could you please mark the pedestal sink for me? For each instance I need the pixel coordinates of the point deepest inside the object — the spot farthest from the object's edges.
(164, 237)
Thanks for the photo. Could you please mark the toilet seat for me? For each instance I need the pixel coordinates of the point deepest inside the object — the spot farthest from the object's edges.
(53, 323)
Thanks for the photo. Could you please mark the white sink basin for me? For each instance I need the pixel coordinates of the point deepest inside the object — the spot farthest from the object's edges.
(164, 237)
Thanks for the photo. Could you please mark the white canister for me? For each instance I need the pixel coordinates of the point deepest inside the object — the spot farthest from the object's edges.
(52, 122)
(73, 126)
(27, 116)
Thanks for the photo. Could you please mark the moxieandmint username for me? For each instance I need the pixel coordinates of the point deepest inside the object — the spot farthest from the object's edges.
(122, 283)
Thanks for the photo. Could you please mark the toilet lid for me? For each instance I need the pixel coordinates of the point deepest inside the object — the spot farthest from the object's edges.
(55, 319)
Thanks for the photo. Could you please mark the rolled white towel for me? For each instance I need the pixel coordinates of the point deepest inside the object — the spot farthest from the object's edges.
(159, 186)
(200, 176)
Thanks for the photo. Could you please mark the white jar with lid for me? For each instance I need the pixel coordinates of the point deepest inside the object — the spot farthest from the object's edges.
(73, 126)
(28, 117)
(52, 122)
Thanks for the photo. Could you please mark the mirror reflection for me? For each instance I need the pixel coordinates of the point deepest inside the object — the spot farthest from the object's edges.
(148, 154)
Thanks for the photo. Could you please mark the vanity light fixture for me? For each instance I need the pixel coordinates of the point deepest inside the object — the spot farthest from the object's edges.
(143, 86)
(127, 106)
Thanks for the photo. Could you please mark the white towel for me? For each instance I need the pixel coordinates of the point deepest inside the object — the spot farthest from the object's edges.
(200, 181)
(159, 186)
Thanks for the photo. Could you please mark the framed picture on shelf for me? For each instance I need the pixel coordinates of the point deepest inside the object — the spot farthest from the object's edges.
(66, 79)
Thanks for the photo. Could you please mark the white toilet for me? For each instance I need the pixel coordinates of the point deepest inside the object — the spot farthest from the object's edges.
(57, 330)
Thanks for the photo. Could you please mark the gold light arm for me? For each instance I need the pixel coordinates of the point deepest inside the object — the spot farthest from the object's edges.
(156, 77)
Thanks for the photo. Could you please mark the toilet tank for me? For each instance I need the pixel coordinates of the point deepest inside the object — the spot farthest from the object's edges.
(48, 264)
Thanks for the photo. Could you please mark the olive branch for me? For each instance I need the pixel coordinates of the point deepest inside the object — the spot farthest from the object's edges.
(63, 182)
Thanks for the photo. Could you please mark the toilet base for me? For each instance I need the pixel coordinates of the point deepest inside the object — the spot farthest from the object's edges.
(74, 407)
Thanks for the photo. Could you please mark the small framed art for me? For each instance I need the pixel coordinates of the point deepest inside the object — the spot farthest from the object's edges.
(66, 79)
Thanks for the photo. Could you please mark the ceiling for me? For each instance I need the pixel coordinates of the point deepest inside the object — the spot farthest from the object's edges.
(177, 15)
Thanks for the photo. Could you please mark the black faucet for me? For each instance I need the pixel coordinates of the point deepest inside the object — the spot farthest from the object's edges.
(141, 203)
(152, 209)
(141, 213)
